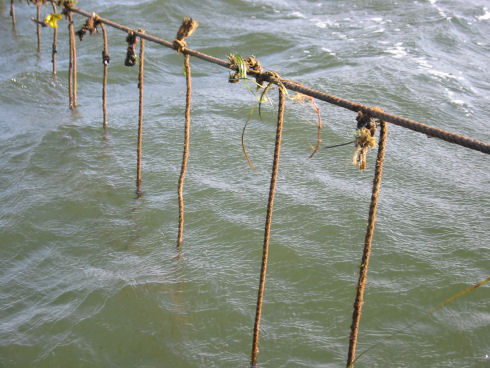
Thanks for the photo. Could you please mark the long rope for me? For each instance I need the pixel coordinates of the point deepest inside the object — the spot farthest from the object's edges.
(105, 61)
(71, 34)
(297, 87)
(141, 80)
(185, 155)
(361, 285)
(38, 27)
(54, 49)
(12, 13)
(72, 73)
(267, 230)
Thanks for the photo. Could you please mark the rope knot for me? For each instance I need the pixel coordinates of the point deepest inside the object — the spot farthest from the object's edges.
(366, 129)
(131, 58)
(188, 26)
(66, 5)
(105, 58)
(242, 67)
(90, 25)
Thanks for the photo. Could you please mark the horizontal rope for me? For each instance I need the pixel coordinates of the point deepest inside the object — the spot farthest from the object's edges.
(297, 87)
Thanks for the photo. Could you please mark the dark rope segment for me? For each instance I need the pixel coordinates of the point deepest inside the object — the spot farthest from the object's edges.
(141, 79)
(185, 155)
(132, 40)
(267, 230)
(12, 13)
(361, 285)
(38, 28)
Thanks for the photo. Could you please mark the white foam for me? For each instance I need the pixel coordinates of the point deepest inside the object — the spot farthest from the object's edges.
(441, 74)
(328, 51)
(377, 19)
(421, 61)
(297, 14)
(486, 14)
(321, 24)
(398, 51)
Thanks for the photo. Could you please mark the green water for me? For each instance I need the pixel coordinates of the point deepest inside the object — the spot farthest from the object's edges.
(90, 277)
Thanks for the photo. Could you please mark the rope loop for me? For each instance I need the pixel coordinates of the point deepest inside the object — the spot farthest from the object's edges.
(131, 58)
(188, 26)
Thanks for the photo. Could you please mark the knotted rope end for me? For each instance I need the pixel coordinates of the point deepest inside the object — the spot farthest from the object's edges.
(366, 129)
(188, 27)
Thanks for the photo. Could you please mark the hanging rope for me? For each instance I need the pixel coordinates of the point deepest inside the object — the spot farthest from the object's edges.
(267, 230)
(185, 30)
(361, 285)
(72, 70)
(38, 26)
(141, 79)
(54, 49)
(105, 60)
(12, 14)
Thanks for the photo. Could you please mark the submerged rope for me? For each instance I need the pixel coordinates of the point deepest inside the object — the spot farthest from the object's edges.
(361, 285)
(141, 79)
(267, 230)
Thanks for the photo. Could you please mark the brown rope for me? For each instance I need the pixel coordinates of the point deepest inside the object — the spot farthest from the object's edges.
(70, 64)
(105, 60)
(185, 155)
(88, 26)
(132, 40)
(141, 79)
(361, 285)
(188, 26)
(72, 73)
(54, 49)
(12, 13)
(38, 28)
(267, 230)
